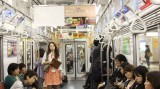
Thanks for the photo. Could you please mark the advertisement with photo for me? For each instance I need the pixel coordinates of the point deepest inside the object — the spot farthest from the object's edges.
(11, 48)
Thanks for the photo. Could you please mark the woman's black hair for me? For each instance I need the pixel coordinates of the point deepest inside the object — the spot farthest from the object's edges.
(123, 65)
(41, 52)
(30, 74)
(56, 50)
(154, 78)
(96, 42)
(141, 70)
(121, 58)
(129, 68)
(21, 65)
(12, 67)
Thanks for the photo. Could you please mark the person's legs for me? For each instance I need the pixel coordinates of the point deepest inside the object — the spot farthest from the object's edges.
(87, 83)
(56, 86)
(49, 86)
(94, 85)
(148, 62)
(68, 67)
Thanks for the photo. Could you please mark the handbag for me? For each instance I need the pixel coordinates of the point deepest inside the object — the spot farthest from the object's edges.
(55, 63)
(149, 54)
(45, 67)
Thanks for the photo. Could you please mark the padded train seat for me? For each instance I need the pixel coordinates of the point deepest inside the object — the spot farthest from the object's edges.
(2, 85)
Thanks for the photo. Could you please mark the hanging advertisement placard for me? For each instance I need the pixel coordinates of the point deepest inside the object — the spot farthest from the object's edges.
(80, 11)
(49, 16)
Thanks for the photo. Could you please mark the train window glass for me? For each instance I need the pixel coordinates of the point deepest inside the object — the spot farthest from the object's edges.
(81, 58)
(69, 58)
(146, 42)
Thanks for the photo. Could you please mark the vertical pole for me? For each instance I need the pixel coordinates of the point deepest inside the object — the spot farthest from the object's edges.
(113, 66)
(1, 60)
(134, 50)
(159, 42)
(76, 65)
(101, 51)
(109, 42)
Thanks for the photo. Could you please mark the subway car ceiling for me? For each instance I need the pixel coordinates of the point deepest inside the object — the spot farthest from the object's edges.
(110, 16)
(117, 21)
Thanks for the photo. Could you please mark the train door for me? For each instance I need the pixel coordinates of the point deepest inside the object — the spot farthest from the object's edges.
(148, 41)
(75, 59)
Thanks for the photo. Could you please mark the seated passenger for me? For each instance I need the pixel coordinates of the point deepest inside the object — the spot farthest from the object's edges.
(23, 70)
(13, 72)
(29, 81)
(119, 84)
(119, 59)
(140, 76)
(130, 83)
(152, 80)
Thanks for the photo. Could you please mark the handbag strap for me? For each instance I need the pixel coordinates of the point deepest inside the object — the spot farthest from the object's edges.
(46, 57)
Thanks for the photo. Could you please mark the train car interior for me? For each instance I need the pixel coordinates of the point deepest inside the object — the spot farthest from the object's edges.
(88, 38)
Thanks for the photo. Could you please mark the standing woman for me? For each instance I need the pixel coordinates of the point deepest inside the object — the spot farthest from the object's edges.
(53, 76)
(147, 51)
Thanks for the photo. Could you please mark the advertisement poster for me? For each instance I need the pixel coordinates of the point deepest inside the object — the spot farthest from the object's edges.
(126, 46)
(75, 21)
(80, 11)
(11, 48)
(155, 42)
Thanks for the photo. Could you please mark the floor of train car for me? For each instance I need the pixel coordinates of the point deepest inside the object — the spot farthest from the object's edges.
(153, 66)
(74, 84)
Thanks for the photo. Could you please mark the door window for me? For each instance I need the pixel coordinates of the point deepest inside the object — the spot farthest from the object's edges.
(69, 58)
(148, 44)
